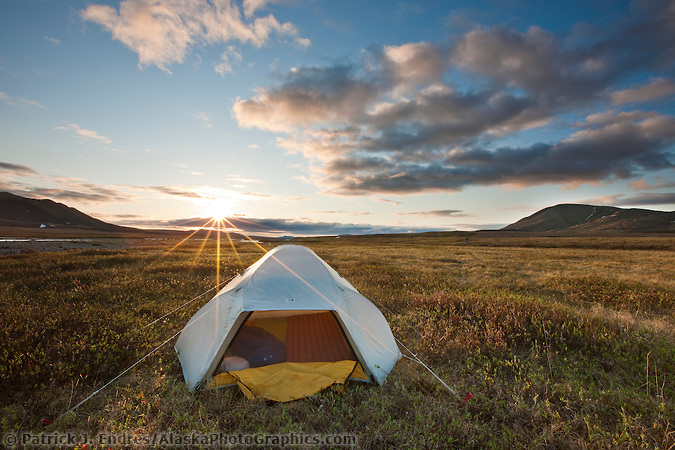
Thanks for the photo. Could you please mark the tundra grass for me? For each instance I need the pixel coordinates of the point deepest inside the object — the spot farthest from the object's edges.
(562, 346)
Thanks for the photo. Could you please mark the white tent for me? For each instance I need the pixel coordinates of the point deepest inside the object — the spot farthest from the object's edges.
(286, 327)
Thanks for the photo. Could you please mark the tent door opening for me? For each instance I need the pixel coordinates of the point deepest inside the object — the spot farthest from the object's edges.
(272, 337)
(312, 344)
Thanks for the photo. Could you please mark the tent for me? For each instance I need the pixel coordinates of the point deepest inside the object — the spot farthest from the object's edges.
(286, 328)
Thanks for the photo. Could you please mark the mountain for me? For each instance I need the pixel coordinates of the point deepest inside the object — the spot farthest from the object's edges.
(21, 212)
(588, 219)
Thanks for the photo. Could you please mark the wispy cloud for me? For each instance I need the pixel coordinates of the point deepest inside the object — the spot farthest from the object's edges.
(341, 26)
(83, 133)
(206, 195)
(163, 32)
(36, 185)
(225, 66)
(435, 213)
(243, 180)
(394, 122)
(53, 40)
(274, 197)
(391, 202)
(27, 182)
(344, 213)
(203, 117)
(176, 191)
(18, 169)
(19, 101)
(253, 6)
(127, 216)
(90, 194)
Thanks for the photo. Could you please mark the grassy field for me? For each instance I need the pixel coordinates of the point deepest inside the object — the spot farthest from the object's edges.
(564, 342)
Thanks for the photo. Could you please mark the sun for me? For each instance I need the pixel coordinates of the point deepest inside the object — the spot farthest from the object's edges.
(219, 209)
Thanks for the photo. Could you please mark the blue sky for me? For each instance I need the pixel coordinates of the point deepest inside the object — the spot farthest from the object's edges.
(305, 117)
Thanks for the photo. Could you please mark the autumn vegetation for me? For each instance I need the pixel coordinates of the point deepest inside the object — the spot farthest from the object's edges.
(562, 341)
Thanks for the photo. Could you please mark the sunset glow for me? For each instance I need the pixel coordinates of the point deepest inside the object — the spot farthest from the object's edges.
(339, 118)
(219, 209)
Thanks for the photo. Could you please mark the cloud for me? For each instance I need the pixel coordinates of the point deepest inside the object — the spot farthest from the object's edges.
(397, 121)
(617, 148)
(642, 185)
(176, 191)
(19, 101)
(253, 6)
(435, 213)
(17, 169)
(243, 180)
(127, 216)
(85, 193)
(657, 89)
(643, 199)
(53, 40)
(56, 187)
(309, 96)
(281, 227)
(163, 32)
(66, 189)
(273, 197)
(225, 67)
(391, 202)
(83, 133)
(344, 213)
(206, 195)
(202, 116)
(340, 26)
(532, 60)
(412, 65)
(648, 198)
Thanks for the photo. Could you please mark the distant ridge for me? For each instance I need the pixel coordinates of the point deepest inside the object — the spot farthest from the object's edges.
(570, 218)
(21, 212)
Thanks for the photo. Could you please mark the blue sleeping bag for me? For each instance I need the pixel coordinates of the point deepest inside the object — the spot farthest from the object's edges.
(258, 347)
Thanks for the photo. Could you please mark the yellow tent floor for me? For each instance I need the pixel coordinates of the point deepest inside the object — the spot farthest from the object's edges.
(288, 381)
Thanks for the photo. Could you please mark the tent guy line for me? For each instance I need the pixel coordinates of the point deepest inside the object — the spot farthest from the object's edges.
(118, 376)
(148, 354)
(190, 301)
(197, 319)
(416, 359)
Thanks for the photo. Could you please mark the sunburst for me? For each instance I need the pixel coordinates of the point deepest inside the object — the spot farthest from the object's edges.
(219, 209)
(215, 225)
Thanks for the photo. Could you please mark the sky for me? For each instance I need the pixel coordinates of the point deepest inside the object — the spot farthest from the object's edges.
(306, 117)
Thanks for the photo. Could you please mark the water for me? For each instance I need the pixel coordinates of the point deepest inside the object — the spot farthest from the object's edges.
(14, 239)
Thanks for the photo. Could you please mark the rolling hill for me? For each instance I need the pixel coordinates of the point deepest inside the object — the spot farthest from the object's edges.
(21, 212)
(573, 218)
(21, 215)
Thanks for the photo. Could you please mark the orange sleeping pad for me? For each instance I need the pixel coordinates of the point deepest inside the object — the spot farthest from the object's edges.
(316, 338)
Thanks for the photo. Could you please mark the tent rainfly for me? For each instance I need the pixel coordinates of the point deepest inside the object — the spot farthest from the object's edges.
(286, 328)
